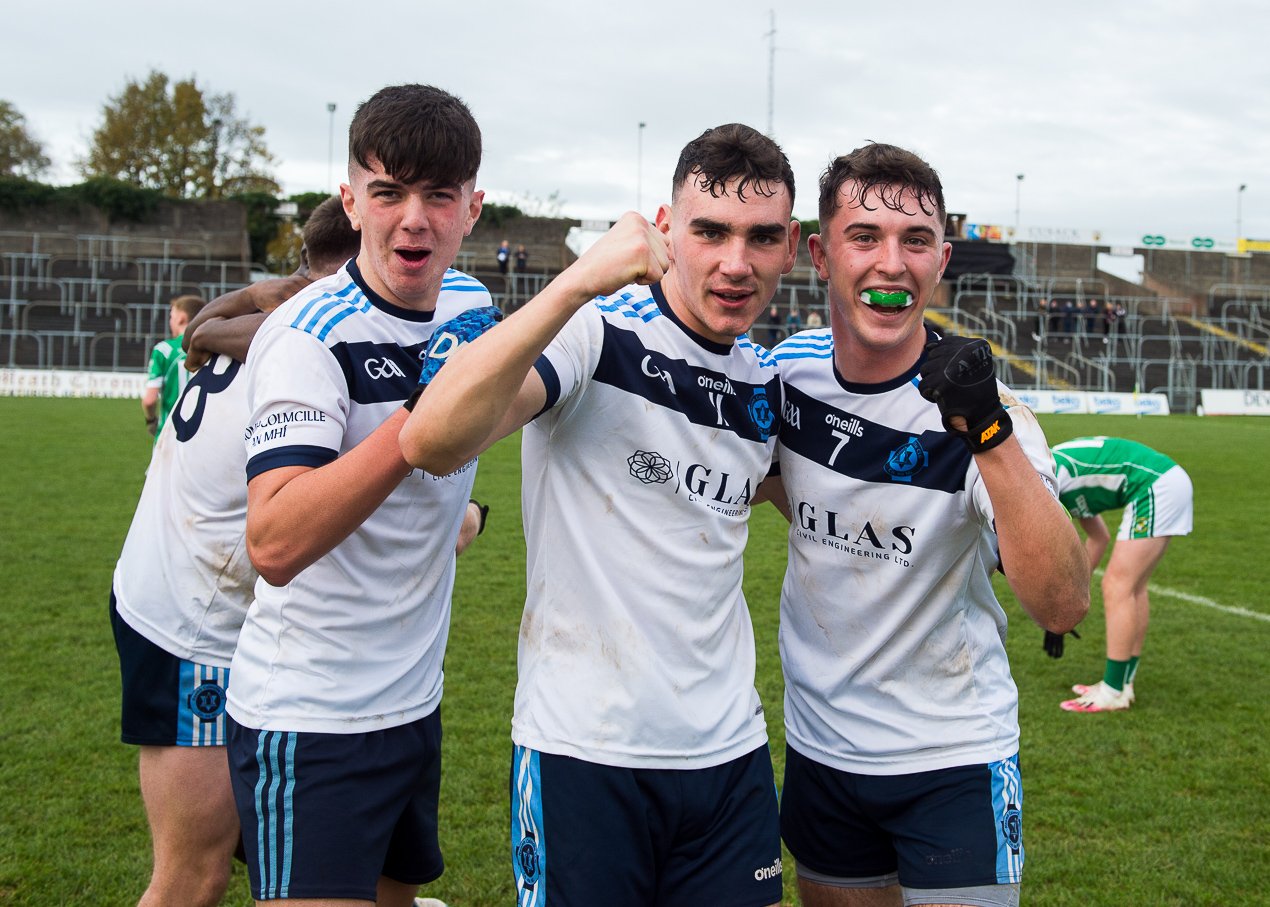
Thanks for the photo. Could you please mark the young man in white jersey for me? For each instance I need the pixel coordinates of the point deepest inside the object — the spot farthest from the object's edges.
(907, 484)
(641, 773)
(181, 589)
(1100, 474)
(334, 731)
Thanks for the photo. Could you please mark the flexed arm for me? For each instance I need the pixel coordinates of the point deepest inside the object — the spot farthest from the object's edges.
(488, 388)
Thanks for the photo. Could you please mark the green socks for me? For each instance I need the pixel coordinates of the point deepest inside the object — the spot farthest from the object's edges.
(1132, 669)
(1114, 674)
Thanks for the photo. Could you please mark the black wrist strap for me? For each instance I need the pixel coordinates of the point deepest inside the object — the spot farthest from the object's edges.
(483, 510)
(990, 432)
(413, 399)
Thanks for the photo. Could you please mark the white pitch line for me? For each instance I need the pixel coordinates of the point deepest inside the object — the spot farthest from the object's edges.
(1200, 600)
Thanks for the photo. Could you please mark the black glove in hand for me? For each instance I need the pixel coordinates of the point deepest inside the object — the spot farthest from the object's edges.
(958, 377)
(1054, 643)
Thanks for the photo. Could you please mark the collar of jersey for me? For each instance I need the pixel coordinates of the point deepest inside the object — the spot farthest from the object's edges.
(380, 302)
(854, 387)
(705, 343)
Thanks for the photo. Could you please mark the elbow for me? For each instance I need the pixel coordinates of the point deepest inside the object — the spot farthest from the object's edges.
(273, 563)
(423, 450)
(1066, 613)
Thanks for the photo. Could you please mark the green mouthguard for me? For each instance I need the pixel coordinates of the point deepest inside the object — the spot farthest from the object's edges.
(898, 299)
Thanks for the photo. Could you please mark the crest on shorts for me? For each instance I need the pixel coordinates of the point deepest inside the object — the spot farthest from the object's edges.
(1012, 828)
(208, 701)
(906, 461)
(528, 861)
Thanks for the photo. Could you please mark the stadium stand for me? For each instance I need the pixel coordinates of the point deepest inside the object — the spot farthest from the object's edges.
(98, 300)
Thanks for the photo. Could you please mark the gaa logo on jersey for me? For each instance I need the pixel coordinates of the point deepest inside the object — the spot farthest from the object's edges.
(649, 467)
(1012, 827)
(208, 701)
(907, 461)
(761, 413)
(528, 860)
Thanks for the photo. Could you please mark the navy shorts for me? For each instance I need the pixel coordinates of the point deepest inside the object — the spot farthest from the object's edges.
(166, 701)
(586, 834)
(950, 828)
(325, 815)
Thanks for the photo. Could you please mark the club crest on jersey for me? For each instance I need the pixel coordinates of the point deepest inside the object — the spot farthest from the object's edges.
(906, 461)
(761, 414)
(529, 861)
(207, 702)
(649, 467)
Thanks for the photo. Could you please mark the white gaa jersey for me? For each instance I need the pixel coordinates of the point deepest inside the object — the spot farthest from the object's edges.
(636, 647)
(355, 642)
(183, 580)
(892, 642)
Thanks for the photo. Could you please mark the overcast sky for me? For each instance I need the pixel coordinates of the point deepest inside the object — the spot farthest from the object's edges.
(1124, 117)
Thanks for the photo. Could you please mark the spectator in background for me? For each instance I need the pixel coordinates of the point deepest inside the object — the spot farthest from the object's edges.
(167, 376)
(1112, 320)
(1092, 312)
(504, 255)
(1042, 315)
(793, 321)
(773, 327)
(814, 319)
(1100, 474)
(1069, 319)
(522, 259)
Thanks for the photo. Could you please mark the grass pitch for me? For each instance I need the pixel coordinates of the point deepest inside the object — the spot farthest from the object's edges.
(1163, 805)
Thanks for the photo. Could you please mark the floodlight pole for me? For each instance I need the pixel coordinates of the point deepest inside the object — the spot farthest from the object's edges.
(639, 170)
(1239, 212)
(1018, 197)
(330, 145)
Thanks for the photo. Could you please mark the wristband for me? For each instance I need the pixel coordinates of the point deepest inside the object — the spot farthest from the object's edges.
(409, 402)
(483, 509)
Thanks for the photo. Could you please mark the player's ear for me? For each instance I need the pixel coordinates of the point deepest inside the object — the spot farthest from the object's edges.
(663, 218)
(474, 210)
(816, 248)
(350, 205)
(795, 233)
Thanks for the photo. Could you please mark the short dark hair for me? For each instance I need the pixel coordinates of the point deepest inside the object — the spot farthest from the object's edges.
(417, 132)
(886, 171)
(733, 151)
(329, 237)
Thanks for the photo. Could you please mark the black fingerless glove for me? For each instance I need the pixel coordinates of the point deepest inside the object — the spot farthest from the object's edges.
(958, 376)
(1054, 643)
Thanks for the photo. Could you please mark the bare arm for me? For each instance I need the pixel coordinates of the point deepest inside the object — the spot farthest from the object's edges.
(773, 489)
(1096, 539)
(1041, 553)
(297, 514)
(217, 329)
(488, 388)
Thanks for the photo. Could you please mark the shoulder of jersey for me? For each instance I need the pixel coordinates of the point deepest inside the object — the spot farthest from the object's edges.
(813, 344)
(636, 303)
(322, 305)
(456, 281)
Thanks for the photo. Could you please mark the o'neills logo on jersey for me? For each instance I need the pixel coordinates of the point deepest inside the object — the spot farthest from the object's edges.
(273, 427)
(833, 529)
(719, 386)
(852, 427)
(718, 490)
